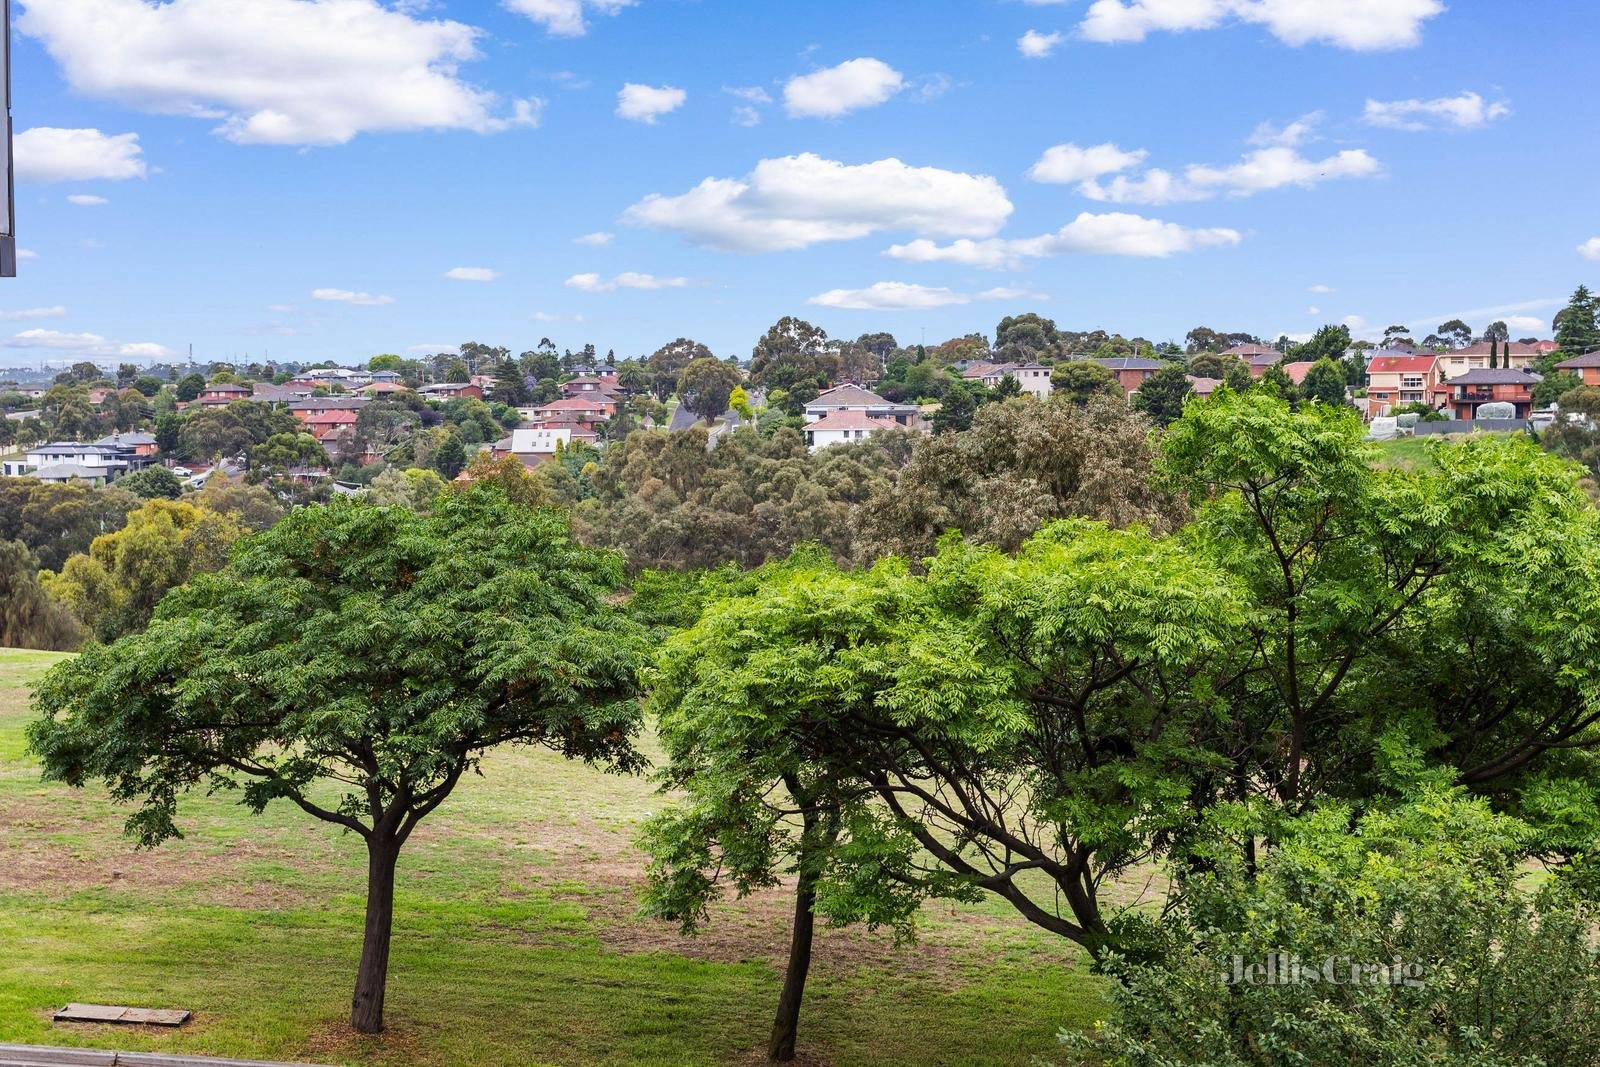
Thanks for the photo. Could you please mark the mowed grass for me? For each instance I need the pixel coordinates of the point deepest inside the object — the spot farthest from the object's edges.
(515, 940)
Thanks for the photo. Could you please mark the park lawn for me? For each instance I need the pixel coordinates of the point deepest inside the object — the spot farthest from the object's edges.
(1405, 453)
(515, 938)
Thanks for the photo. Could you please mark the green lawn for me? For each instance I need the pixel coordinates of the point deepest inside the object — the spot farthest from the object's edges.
(515, 939)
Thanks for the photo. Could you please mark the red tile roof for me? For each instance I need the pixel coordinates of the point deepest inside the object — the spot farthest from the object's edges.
(1396, 364)
(851, 420)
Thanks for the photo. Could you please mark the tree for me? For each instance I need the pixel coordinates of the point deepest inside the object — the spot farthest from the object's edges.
(189, 387)
(152, 482)
(794, 353)
(451, 457)
(705, 386)
(411, 488)
(57, 520)
(1078, 380)
(956, 410)
(1026, 337)
(1161, 395)
(283, 453)
(750, 702)
(1213, 365)
(1329, 342)
(1497, 331)
(507, 474)
(1456, 333)
(29, 617)
(667, 363)
(1397, 334)
(370, 652)
(114, 587)
(1576, 329)
(1553, 386)
(1324, 381)
(509, 385)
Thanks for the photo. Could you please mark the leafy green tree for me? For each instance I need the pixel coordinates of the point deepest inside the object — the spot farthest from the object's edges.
(1576, 329)
(751, 703)
(705, 386)
(412, 488)
(1161, 395)
(1077, 380)
(189, 386)
(55, 520)
(1497, 331)
(509, 476)
(1553, 386)
(30, 617)
(793, 353)
(1020, 338)
(114, 587)
(956, 409)
(1214, 365)
(1325, 381)
(1238, 378)
(451, 457)
(1456, 333)
(285, 452)
(739, 401)
(386, 652)
(1329, 342)
(152, 482)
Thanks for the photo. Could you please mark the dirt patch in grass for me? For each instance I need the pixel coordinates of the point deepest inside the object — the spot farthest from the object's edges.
(335, 1042)
(31, 860)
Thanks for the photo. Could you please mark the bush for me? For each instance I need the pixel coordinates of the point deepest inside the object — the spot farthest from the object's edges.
(1399, 937)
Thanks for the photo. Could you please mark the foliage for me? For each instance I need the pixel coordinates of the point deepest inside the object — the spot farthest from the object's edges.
(1329, 342)
(114, 587)
(152, 482)
(1414, 941)
(706, 385)
(1553, 386)
(57, 520)
(1325, 382)
(410, 488)
(509, 475)
(1161, 395)
(797, 357)
(231, 431)
(1022, 464)
(374, 652)
(284, 453)
(1078, 380)
(450, 459)
(30, 617)
(1577, 326)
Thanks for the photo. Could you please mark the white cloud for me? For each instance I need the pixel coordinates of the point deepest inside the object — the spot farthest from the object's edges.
(905, 296)
(1289, 135)
(593, 283)
(1362, 25)
(1064, 163)
(472, 274)
(86, 344)
(273, 71)
(646, 103)
(346, 296)
(1590, 249)
(1313, 310)
(1319, 288)
(797, 201)
(86, 199)
(597, 239)
(850, 86)
(1112, 234)
(27, 253)
(1524, 323)
(34, 313)
(1011, 292)
(745, 115)
(1464, 112)
(49, 154)
(754, 97)
(1261, 170)
(1036, 45)
(565, 18)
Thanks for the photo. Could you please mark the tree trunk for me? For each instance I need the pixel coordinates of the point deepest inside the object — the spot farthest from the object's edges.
(785, 1026)
(366, 1007)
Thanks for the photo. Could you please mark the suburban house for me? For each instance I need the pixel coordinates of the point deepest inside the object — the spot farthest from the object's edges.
(446, 390)
(1131, 371)
(1033, 377)
(590, 385)
(534, 444)
(853, 398)
(1513, 355)
(62, 461)
(1203, 386)
(1395, 381)
(1587, 368)
(843, 426)
(1257, 357)
(140, 444)
(326, 425)
(1486, 385)
(382, 388)
(221, 394)
(267, 393)
(593, 408)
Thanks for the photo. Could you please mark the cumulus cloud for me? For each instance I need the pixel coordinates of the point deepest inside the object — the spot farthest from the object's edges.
(1524, 323)
(835, 91)
(1036, 45)
(49, 154)
(565, 18)
(1064, 163)
(905, 296)
(797, 201)
(1111, 234)
(1320, 288)
(1259, 171)
(1290, 134)
(1464, 112)
(86, 199)
(304, 72)
(593, 283)
(646, 103)
(86, 344)
(1361, 25)
(1590, 249)
(55, 312)
(347, 296)
(597, 239)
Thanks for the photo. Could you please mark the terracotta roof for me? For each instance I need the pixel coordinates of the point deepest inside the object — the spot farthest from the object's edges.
(841, 396)
(1297, 370)
(851, 420)
(1243, 351)
(1203, 386)
(1396, 364)
(330, 418)
(1516, 348)
(574, 403)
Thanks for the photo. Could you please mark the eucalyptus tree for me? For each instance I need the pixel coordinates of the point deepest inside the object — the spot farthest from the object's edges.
(371, 653)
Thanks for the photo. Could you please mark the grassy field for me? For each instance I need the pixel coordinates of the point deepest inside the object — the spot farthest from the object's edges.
(515, 939)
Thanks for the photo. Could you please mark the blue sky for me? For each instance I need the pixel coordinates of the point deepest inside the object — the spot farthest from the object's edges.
(303, 175)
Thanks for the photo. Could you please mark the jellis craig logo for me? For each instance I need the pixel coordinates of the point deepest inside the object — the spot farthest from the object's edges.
(1282, 968)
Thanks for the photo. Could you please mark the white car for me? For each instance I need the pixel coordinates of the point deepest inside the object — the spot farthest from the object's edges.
(182, 472)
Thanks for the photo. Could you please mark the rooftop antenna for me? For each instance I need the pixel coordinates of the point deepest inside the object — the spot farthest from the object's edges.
(8, 238)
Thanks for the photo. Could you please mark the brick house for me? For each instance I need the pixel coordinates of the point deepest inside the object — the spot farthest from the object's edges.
(1394, 381)
(1131, 371)
(1587, 368)
(1487, 385)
